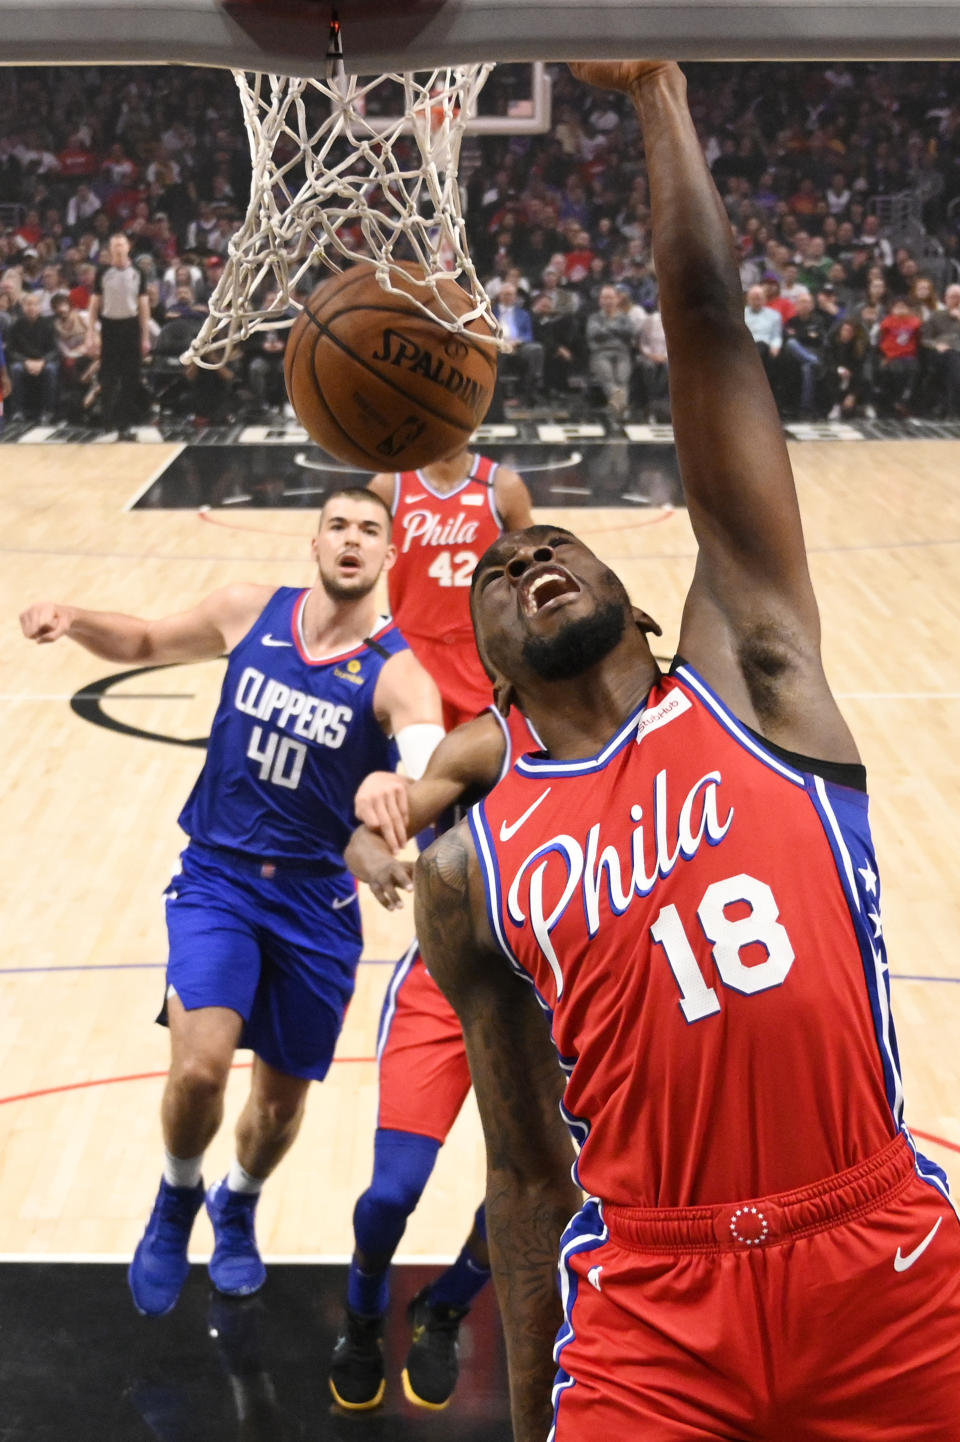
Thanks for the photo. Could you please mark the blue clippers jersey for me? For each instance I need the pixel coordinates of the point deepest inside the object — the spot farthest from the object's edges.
(291, 741)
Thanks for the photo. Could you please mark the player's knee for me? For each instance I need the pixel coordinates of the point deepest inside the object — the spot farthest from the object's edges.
(401, 1168)
(280, 1111)
(201, 1078)
(396, 1195)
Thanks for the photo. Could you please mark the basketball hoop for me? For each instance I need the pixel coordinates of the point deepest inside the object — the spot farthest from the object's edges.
(347, 169)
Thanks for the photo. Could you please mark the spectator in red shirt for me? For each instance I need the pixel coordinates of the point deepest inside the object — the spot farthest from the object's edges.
(775, 300)
(120, 206)
(118, 168)
(80, 293)
(898, 344)
(576, 265)
(76, 159)
(804, 199)
(30, 232)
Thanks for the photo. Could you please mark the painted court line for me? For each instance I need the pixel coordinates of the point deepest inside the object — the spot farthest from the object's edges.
(155, 966)
(97, 696)
(106, 1081)
(940, 1141)
(205, 514)
(139, 494)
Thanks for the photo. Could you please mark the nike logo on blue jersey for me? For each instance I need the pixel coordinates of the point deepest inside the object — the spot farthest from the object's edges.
(339, 902)
(269, 640)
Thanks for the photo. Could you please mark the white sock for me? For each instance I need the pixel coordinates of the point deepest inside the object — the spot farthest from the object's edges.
(182, 1171)
(239, 1180)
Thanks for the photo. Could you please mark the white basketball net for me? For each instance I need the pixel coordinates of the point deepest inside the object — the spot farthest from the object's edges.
(346, 170)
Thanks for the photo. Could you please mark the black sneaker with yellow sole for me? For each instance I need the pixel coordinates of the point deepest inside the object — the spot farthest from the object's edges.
(432, 1367)
(356, 1366)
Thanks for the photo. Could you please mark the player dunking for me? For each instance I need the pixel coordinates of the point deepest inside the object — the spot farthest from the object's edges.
(695, 901)
(263, 919)
(445, 516)
(424, 1081)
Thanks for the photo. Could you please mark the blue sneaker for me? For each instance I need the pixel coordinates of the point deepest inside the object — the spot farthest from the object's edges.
(235, 1267)
(159, 1267)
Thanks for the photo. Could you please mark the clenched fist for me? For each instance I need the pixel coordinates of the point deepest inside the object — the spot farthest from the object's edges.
(46, 621)
(618, 74)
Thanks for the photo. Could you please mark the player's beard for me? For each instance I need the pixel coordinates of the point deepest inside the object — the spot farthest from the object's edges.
(578, 645)
(338, 590)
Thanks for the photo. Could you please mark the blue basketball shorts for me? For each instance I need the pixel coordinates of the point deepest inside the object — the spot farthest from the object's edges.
(282, 952)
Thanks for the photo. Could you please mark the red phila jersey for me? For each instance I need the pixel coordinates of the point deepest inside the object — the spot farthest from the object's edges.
(439, 539)
(700, 917)
(518, 735)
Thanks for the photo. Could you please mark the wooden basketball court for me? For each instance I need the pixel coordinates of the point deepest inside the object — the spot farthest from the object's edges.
(89, 835)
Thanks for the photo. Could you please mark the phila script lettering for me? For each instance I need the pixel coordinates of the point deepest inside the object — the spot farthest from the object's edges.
(564, 867)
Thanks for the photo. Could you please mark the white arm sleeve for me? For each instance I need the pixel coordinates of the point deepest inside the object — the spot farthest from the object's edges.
(417, 744)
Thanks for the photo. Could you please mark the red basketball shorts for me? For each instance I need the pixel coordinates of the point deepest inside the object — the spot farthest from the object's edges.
(829, 1314)
(452, 661)
(424, 1077)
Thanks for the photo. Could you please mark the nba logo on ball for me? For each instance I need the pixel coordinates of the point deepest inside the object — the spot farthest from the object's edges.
(407, 432)
(371, 377)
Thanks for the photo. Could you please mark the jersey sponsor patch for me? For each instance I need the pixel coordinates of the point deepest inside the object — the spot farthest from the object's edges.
(665, 711)
(471, 500)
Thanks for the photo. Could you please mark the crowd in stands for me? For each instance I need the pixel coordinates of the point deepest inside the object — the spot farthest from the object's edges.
(852, 316)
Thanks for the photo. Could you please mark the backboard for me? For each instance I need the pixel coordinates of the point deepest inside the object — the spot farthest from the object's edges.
(290, 36)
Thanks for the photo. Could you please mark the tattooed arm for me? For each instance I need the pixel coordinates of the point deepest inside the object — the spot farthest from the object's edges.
(518, 1082)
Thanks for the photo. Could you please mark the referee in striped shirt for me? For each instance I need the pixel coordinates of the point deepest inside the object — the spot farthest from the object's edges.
(121, 304)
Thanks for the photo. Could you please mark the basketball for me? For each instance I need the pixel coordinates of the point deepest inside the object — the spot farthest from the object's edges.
(377, 383)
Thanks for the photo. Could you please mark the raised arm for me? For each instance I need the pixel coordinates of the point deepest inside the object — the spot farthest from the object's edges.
(513, 499)
(468, 758)
(205, 631)
(518, 1084)
(751, 622)
(382, 484)
(736, 472)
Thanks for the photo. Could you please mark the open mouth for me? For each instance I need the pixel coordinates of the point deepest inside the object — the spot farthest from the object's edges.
(350, 564)
(542, 586)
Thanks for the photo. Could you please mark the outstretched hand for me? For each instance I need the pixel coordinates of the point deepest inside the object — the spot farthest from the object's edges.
(623, 75)
(381, 804)
(46, 621)
(389, 880)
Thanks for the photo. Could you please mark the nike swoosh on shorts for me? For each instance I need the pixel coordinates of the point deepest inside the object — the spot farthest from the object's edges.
(901, 1262)
(339, 902)
(508, 830)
